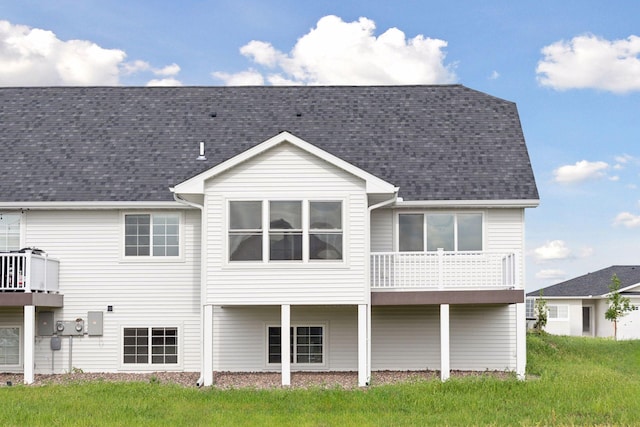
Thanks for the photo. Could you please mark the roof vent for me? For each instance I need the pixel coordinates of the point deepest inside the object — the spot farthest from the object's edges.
(201, 156)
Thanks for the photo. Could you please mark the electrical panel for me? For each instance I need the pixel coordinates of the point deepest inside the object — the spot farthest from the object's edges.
(94, 323)
(72, 327)
(45, 323)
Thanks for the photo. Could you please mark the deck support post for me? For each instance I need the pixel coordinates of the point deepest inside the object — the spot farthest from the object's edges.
(285, 339)
(521, 340)
(29, 343)
(445, 367)
(207, 345)
(363, 357)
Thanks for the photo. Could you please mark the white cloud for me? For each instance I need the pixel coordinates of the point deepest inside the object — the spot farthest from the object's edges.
(627, 219)
(623, 159)
(338, 52)
(494, 76)
(589, 61)
(552, 274)
(170, 81)
(586, 252)
(581, 171)
(37, 57)
(31, 56)
(552, 250)
(169, 70)
(244, 78)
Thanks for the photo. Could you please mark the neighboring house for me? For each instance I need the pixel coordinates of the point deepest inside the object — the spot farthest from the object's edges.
(262, 229)
(577, 306)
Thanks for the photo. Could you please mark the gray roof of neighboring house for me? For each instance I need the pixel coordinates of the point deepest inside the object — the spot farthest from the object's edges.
(132, 143)
(592, 284)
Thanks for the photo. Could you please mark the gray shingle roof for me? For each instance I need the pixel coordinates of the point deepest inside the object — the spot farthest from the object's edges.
(595, 284)
(131, 143)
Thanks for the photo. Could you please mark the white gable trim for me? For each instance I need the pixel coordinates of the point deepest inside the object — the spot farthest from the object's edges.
(195, 185)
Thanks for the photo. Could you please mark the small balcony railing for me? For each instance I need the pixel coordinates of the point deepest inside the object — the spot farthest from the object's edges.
(27, 271)
(442, 270)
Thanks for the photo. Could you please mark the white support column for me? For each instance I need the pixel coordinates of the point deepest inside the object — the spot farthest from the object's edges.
(521, 340)
(285, 340)
(445, 362)
(29, 343)
(207, 345)
(363, 357)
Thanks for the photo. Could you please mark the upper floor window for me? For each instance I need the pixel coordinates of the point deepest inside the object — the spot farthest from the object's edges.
(9, 232)
(291, 230)
(431, 231)
(152, 235)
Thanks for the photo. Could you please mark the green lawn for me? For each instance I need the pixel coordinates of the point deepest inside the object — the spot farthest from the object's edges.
(573, 381)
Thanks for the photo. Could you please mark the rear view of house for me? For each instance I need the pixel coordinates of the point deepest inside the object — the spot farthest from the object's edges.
(262, 229)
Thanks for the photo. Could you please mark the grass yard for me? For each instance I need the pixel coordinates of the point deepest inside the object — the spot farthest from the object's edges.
(573, 381)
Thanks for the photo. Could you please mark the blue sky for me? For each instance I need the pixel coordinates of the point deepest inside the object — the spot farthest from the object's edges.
(573, 68)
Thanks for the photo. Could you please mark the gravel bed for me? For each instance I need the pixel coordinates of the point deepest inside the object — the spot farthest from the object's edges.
(255, 380)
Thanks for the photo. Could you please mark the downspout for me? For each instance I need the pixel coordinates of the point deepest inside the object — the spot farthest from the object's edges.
(368, 264)
(203, 288)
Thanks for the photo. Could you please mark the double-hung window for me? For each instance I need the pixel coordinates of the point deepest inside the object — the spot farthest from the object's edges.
(285, 230)
(152, 235)
(419, 232)
(306, 344)
(9, 232)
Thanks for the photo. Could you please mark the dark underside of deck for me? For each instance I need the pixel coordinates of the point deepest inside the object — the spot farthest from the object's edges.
(501, 296)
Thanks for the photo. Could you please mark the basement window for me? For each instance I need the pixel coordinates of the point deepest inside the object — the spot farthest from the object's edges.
(156, 346)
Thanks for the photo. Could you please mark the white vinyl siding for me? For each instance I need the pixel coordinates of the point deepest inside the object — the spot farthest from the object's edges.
(382, 236)
(240, 338)
(408, 338)
(93, 277)
(287, 173)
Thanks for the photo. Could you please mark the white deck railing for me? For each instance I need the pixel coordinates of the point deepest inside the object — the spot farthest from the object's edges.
(27, 271)
(443, 270)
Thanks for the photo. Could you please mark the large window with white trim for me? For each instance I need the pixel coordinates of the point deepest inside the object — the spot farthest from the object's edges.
(306, 344)
(9, 231)
(285, 230)
(155, 346)
(152, 235)
(9, 346)
(420, 232)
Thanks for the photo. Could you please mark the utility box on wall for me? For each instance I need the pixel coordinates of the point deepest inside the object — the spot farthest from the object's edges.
(94, 327)
(73, 327)
(45, 323)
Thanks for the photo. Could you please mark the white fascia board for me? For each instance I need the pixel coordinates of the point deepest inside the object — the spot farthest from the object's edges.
(195, 185)
(574, 297)
(90, 205)
(526, 203)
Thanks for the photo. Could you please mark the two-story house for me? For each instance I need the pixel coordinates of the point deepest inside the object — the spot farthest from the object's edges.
(265, 229)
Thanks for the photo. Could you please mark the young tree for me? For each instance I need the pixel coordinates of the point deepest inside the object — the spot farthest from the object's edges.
(541, 313)
(619, 305)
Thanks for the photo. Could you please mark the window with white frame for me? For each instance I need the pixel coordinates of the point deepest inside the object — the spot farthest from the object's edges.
(530, 308)
(558, 312)
(156, 346)
(419, 232)
(152, 235)
(9, 231)
(9, 346)
(294, 230)
(306, 344)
